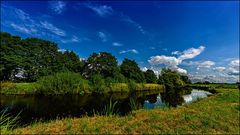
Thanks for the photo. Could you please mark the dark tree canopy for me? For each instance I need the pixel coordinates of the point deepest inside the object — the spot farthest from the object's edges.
(150, 76)
(130, 69)
(32, 58)
(103, 63)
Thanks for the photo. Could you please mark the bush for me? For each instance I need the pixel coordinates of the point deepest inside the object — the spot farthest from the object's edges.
(132, 85)
(63, 83)
(98, 83)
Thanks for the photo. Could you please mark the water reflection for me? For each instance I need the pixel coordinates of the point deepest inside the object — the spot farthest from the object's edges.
(50, 107)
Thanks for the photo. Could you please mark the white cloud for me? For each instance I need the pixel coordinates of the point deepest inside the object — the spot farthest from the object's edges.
(166, 60)
(206, 64)
(173, 62)
(132, 22)
(191, 53)
(234, 67)
(102, 36)
(144, 69)
(176, 53)
(101, 10)
(62, 50)
(130, 50)
(156, 71)
(23, 29)
(74, 39)
(219, 69)
(52, 28)
(117, 44)
(57, 6)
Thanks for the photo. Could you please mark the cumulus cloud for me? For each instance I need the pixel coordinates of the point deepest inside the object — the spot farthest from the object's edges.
(234, 67)
(57, 6)
(156, 71)
(173, 62)
(130, 50)
(191, 53)
(101, 10)
(206, 64)
(117, 44)
(219, 69)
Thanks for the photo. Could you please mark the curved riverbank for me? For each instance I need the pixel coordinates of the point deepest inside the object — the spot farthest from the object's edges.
(218, 114)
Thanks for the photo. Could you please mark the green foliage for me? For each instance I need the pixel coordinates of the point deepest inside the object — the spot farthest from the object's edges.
(110, 108)
(132, 85)
(130, 69)
(171, 79)
(133, 104)
(31, 58)
(8, 122)
(103, 63)
(18, 88)
(98, 83)
(150, 76)
(185, 79)
(63, 83)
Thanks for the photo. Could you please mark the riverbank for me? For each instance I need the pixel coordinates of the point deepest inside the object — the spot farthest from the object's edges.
(9, 88)
(218, 114)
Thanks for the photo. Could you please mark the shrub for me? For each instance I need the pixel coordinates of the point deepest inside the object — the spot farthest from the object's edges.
(63, 83)
(132, 85)
(98, 83)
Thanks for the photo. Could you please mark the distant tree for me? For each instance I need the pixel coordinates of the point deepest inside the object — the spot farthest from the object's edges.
(206, 82)
(160, 79)
(130, 69)
(71, 62)
(103, 63)
(150, 76)
(185, 79)
(171, 79)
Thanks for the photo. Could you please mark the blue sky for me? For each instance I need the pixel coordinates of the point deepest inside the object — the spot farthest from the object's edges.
(200, 39)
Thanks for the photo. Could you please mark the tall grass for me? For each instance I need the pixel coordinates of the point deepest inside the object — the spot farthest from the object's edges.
(108, 110)
(8, 122)
(63, 83)
(133, 104)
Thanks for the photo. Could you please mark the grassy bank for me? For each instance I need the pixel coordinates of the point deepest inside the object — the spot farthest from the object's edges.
(33, 88)
(217, 114)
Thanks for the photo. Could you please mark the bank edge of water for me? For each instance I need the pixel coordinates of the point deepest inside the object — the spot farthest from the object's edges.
(8, 88)
(217, 114)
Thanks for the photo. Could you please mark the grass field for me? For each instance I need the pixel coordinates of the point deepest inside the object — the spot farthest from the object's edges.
(32, 88)
(218, 114)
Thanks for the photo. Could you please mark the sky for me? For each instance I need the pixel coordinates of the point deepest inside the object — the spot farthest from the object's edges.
(200, 39)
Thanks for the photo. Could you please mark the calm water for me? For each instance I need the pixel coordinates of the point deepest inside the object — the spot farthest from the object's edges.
(51, 107)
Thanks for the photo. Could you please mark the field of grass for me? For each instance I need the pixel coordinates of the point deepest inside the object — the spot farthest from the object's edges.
(18, 88)
(218, 114)
(32, 88)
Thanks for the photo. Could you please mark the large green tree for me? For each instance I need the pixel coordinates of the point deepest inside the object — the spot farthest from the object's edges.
(103, 63)
(130, 69)
(11, 53)
(71, 61)
(150, 76)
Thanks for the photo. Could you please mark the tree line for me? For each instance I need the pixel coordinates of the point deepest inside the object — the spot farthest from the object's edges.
(32, 58)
